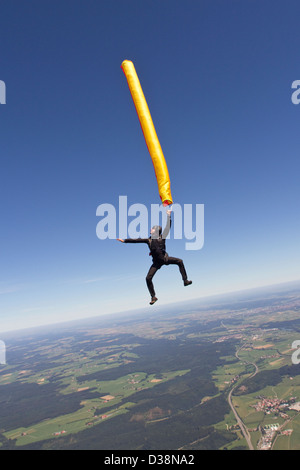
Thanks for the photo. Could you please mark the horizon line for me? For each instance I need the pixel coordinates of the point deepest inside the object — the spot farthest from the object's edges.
(134, 311)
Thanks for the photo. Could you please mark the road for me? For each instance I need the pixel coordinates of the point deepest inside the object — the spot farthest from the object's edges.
(239, 421)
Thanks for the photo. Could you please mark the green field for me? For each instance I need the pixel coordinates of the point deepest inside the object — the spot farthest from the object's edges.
(112, 392)
(159, 383)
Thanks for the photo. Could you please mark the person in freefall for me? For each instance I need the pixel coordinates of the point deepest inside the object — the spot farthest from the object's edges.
(157, 245)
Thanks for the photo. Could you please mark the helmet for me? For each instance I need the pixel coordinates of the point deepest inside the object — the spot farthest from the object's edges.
(156, 231)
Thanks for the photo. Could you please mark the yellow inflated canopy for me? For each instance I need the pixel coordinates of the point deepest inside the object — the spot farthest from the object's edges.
(154, 147)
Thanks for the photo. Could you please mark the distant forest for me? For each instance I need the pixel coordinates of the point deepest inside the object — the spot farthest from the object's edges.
(267, 377)
(183, 419)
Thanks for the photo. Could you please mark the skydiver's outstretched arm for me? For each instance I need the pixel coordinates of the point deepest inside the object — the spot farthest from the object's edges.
(168, 225)
(134, 240)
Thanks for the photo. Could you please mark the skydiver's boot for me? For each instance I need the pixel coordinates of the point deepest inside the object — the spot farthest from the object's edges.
(187, 283)
(153, 300)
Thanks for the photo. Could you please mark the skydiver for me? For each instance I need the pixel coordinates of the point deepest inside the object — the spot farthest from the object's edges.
(157, 245)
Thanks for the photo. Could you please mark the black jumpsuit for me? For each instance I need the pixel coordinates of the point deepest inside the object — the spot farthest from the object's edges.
(157, 246)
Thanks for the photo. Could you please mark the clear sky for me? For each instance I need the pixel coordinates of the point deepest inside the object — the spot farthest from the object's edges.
(217, 76)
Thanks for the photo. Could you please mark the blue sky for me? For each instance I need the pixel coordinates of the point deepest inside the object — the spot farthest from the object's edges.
(217, 76)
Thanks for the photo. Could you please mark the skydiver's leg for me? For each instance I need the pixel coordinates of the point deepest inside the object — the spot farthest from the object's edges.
(179, 263)
(149, 282)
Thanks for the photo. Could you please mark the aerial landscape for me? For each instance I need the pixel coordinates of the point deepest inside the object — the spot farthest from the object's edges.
(217, 373)
(149, 241)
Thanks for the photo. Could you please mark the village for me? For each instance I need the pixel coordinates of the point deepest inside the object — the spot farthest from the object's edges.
(276, 405)
(279, 407)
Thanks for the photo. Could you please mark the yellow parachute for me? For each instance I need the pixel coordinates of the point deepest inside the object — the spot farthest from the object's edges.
(158, 159)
